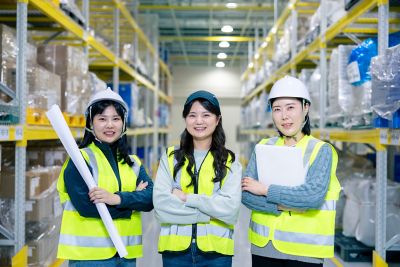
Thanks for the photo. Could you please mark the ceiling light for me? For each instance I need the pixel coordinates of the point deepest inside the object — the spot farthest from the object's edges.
(231, 5)
(222, 56)
(227, 28)
(264, 44)
(251, 65)
(224, 44)
(257, 56)
(220, 64)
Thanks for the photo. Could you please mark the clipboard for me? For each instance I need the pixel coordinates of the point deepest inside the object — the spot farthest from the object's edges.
(280, 165)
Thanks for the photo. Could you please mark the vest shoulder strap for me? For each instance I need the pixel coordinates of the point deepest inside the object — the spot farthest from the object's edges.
(269, 141)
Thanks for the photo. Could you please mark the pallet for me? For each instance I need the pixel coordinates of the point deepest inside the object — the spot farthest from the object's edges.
(35, 116)
(351, 250)
(74, 120)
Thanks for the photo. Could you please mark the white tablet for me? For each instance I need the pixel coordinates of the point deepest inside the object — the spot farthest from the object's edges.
(280, 165)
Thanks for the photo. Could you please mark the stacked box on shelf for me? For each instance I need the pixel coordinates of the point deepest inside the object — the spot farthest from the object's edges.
(8, 55)
(72, 66)
(43, 207)
(44, 88)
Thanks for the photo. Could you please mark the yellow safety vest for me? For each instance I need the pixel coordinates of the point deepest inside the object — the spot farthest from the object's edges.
(309, 233)
(84, 238)
(215, 236)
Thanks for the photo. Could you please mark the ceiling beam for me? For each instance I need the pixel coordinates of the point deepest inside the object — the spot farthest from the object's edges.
(207, 38)
(206, 8)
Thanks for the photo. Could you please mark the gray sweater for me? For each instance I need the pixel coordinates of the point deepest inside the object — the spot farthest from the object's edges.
(310, 195)
(223, 205)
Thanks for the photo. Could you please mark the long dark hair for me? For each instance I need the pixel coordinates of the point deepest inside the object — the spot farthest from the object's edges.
(121, 144)
(306, 130)
(217, 149)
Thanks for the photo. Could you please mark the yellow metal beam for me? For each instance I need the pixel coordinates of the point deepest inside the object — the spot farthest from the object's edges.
(377, 260)
(206, 8)
(366, 30)
(164, 130)
(351, 16)
(30, 19)
(164, 97)
(375, 20)
(369, 136)
(207, 38)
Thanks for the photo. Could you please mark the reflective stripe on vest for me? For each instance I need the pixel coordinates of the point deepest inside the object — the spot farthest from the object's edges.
(259, 229)
(98, 242)
(202, 230)
(312, 239)
(93, 164)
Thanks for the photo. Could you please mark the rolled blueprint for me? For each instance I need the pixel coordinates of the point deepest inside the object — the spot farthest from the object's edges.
(64, 133)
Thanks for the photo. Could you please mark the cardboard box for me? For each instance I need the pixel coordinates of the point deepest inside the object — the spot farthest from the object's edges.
(38, 181)
(72, 66)
(44, 206)
(42, 251)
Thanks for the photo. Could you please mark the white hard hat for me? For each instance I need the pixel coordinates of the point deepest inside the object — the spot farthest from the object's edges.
(107, 94)
(289, 86)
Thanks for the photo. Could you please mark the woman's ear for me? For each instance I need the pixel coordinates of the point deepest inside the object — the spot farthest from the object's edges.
(219, 118)
(306, 109)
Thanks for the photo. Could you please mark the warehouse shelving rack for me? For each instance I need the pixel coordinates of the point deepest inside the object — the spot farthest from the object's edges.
(379, 138)
(22, 133)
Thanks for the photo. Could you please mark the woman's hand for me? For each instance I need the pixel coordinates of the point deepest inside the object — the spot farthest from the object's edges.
(99, 195)
(142, 185)
(179, 193)
(253, 186)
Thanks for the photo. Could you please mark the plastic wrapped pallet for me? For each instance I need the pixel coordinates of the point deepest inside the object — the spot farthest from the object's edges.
(340, 100)
(314, 88)
(385, 71)
(44, 87)
(42, 243)
(366, 194)
(8, 58)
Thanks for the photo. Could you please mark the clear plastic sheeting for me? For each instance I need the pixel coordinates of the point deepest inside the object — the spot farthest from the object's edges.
(314, 89)
(385, 71)
(359, 210)
(366, 194)
(340, 93)
(7, 214)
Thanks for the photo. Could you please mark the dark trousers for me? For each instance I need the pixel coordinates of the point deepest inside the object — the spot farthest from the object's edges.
(259, 261)
(195, 258)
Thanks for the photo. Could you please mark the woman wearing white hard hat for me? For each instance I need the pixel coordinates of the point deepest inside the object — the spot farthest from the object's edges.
(293, 226)
(123, 185)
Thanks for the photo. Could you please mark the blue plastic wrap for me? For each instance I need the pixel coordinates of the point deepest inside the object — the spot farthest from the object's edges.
(360, 58)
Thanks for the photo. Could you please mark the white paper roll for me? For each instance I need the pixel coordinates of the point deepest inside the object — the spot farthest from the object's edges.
(64, 133)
